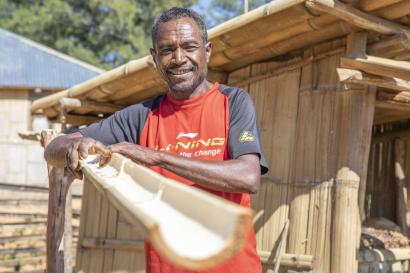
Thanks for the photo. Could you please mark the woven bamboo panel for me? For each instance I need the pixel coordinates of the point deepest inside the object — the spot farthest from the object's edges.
(100, 220)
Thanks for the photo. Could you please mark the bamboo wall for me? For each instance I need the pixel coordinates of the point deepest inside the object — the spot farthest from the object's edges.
(381, 185)
(311, 127)
(107, 242)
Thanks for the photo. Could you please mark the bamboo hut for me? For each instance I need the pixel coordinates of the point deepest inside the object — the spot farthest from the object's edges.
(331, 84)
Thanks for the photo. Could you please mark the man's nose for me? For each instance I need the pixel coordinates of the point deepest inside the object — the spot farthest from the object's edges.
(179, 56)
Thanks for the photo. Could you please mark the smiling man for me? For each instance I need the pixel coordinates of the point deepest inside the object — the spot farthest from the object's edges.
(199, 133)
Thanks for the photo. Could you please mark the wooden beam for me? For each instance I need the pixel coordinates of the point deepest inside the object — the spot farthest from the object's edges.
(403, 108)
(77, 120)
(359, 77)
(402, 98)
(387, 136)
(288, 260)
(358, 18)
(378, 66)
(188, 227)
(86, 106)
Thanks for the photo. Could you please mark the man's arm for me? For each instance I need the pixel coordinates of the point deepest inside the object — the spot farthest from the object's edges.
(235, 175)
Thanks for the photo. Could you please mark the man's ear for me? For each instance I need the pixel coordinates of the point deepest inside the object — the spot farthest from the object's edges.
(208, 51)
(153, 55)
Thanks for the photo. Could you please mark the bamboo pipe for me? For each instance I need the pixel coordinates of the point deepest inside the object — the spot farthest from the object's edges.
(85, 87)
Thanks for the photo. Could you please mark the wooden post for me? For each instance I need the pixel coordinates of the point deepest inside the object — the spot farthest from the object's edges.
(401, 190)
(68, 230)
(343, 251)
(58, 258)
(356, 48)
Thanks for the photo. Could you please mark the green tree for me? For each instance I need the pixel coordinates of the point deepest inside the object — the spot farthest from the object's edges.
(101, 32)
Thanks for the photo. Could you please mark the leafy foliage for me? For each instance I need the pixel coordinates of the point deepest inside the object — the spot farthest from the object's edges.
(101, 32)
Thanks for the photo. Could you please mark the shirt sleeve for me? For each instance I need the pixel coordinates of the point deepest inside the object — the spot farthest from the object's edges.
(243, 133)
(124, 125)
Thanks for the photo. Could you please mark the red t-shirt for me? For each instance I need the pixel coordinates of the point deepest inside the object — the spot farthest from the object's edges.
(218, 125)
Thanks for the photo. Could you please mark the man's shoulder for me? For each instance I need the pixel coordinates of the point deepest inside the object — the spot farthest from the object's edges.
(235, 95)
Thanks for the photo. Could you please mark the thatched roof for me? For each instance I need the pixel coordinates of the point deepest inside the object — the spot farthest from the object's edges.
(276, 31)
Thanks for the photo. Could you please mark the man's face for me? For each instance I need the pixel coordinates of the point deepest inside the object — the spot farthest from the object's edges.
(181, 55)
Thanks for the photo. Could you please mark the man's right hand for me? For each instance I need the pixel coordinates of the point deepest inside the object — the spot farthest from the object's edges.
(67, 150)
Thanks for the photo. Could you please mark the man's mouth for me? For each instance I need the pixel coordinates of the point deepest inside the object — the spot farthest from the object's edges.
(179, 71)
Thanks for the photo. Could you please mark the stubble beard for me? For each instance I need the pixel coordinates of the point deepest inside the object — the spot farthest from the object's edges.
(188, 87)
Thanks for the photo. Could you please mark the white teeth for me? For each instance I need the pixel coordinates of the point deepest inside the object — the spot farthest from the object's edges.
(180, 72)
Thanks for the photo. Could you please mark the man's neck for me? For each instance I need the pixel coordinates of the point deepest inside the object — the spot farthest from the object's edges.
(201, 89)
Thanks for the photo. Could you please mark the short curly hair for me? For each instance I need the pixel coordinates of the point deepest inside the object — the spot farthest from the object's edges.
(176, 13)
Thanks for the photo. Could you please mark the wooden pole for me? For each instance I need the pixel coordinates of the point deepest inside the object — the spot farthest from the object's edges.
(401, 190)
(59, 184)
(343, 251)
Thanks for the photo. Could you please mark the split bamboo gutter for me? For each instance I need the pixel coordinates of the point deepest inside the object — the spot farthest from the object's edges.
(194, 237)
(277, 28)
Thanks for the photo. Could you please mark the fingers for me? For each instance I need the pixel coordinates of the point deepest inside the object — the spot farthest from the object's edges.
(72, 158)
(99, 148)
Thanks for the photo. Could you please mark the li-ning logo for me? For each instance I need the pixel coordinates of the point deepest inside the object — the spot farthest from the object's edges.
(246, 136)
(189, 135)
(193, 144)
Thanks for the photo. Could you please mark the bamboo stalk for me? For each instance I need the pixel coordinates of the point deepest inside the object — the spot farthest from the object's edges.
(343, 255)
(86, 106)
(401, 190)
(358, 77)
(379, 66)
(357, 17)
(370, 5)
(395, 11)
(401, 97)
(389, 47)
(256, 14)
(83, 88)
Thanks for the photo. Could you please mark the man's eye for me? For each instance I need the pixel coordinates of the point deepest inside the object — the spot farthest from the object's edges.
(166, 51)
(190, 48)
